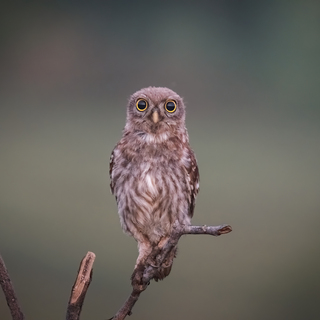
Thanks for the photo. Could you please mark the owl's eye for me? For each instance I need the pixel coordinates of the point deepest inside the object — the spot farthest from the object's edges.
(171, 106)
(141, 104)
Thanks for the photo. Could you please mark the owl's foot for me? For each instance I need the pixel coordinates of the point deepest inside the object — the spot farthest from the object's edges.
(165, 268)
(152, 267)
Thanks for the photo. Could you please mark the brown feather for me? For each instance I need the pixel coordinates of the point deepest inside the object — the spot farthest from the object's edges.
(154, 173)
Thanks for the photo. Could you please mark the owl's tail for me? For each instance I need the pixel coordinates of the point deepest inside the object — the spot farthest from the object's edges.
(165, 269)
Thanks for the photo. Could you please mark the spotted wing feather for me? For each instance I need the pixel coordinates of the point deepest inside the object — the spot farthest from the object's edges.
(193, 178)
(111, 165)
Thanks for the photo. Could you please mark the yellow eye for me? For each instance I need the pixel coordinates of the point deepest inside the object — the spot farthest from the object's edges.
(141, 104)
(171, 106)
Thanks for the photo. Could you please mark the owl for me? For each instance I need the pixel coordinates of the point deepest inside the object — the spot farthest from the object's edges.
(154, 173)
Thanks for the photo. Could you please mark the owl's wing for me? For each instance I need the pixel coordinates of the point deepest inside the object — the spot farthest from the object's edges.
(192, 170)
(111, 165)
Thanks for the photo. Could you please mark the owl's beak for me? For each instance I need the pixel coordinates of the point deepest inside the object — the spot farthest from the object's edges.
(155, 116)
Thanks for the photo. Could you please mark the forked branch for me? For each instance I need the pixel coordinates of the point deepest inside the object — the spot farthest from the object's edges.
(159, 256)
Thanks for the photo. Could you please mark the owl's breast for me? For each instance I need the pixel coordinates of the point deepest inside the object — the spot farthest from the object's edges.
(149, 183)
(152, 194)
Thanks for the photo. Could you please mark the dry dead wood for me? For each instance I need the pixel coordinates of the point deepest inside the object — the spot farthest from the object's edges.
(148, 271)
(83, 280)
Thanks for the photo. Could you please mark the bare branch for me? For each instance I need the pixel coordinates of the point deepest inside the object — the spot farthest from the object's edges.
(210, 230)
(141, 276)
(160, 255)
(146, 272)
(80, 287)
(9, 292)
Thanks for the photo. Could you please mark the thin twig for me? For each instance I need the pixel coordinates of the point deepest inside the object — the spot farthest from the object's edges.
(210, 230)
(80, 287)
(149, 270)
(9, 292)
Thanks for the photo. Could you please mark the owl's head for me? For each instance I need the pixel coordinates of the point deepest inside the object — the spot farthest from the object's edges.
(155, 111)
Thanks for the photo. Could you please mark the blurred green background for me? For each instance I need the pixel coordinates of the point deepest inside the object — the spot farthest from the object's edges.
(249, 74)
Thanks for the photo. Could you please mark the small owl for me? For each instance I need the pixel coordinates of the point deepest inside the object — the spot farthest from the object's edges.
(154, 173)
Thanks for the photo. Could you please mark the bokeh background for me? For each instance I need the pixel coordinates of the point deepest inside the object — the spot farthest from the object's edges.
(249, 74)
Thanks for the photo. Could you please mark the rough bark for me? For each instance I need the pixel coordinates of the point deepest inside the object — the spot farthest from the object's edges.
(80, 287)
(9, 292)
(148, 270)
